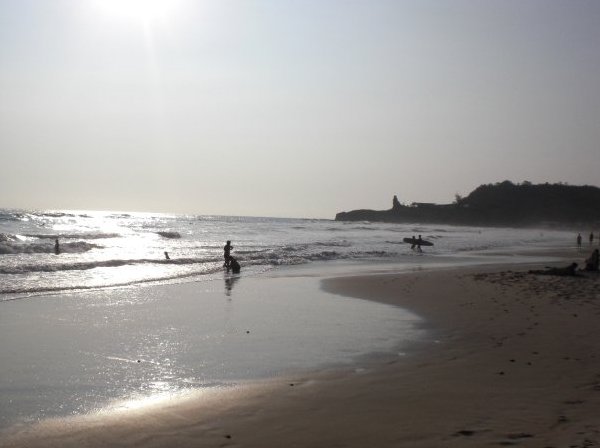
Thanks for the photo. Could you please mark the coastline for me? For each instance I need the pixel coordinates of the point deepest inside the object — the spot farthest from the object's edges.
(514, 359)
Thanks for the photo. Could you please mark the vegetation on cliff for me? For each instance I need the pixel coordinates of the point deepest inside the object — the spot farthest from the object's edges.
(503, 203)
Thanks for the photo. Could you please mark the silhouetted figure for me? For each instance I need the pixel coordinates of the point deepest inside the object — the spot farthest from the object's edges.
(395, 203)
(579, 240)
(591, 238)
(56, 247)
(566, 271)
(591, 264)
(167, 256)
(419, 241)
(412, 246)
(234, 265)
(227, 253)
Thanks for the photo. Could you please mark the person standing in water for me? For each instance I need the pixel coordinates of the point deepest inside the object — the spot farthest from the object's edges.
(591, 238)
(227, 253)
(56, 247)
(579, 240)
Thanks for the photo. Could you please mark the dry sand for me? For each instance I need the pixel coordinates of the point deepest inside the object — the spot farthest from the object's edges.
(513, 359)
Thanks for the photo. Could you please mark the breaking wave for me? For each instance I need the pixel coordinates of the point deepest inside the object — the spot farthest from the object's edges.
(81, 236)
(5, 237)
(169, 235)
(81, 266)
(8, 247)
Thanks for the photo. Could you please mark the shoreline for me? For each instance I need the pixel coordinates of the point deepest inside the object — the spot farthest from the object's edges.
(515, 359)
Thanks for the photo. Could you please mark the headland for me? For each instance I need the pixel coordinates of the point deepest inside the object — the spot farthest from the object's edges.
(501, 204)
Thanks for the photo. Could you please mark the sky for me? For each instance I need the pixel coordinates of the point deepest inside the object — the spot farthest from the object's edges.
(292, 108)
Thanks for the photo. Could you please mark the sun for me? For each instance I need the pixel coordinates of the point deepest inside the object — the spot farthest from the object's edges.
(144, 11)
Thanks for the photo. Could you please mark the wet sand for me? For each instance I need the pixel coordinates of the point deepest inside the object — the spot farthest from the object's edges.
(513, 359)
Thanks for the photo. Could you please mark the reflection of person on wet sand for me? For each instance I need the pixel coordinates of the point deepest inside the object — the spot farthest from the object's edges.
(56, 247)
(566, 271)
(229, 282)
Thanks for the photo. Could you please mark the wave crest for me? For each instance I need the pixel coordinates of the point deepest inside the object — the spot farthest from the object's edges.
(85, 265)
(80, 236)
(8, 247)
(169, 235)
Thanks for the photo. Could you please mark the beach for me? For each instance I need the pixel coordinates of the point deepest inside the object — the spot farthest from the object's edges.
(510, 358)
(333, 224)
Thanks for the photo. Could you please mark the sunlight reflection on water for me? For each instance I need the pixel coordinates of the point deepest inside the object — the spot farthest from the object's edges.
(134, 347)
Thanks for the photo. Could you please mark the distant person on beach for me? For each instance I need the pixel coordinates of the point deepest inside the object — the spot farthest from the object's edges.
(234, 265)
(419, 241)
(592, 263)
(412, 246)
(167, 256)
(566, 271)
(579, 240)
(227, 253)
(591, 238)
(56, 247)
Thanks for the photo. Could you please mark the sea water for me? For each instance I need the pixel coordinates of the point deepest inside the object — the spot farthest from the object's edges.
(103, 249)
(107, 350)
(109, 322)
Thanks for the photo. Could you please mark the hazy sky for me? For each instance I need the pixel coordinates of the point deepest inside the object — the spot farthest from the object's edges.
(292, 108)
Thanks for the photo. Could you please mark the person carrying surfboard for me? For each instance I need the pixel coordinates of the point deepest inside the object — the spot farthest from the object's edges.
(419, 241)
(416, 243)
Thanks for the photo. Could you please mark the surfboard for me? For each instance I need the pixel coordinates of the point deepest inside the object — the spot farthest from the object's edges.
(416, 241)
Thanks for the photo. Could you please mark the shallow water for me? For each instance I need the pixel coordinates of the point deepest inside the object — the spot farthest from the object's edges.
(71, 354)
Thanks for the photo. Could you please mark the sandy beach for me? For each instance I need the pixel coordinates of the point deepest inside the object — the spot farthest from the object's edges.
(511, 359)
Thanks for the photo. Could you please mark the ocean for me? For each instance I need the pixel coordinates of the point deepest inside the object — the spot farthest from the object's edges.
(109, 324)
(108, 249)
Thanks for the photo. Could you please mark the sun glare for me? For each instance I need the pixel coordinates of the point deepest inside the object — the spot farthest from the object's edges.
(145, 11)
